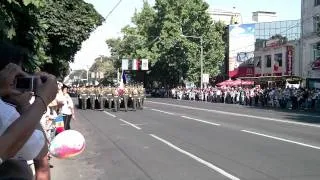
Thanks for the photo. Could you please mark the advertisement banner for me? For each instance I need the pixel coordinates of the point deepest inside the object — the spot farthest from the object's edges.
(241, 46)
(289, 60)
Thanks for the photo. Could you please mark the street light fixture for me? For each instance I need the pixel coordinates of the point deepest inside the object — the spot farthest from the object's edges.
(201, 56)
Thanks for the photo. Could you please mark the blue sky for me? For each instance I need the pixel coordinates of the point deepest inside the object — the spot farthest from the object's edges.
(95, 45)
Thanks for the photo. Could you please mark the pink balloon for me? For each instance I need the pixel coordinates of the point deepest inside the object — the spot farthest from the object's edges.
(67, 144)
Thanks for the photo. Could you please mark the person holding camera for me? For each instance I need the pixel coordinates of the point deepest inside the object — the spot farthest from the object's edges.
(21, 137)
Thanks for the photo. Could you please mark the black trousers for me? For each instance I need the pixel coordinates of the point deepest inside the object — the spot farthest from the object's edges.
(66, 121)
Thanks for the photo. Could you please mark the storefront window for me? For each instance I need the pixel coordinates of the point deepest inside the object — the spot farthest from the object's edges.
(316, 51)
(316, 57)
(268, 61)
(278, 59)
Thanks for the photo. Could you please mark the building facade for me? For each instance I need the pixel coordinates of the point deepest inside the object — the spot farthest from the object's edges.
(264, 16)
(268, 49)
(310, 42)
(226, 16)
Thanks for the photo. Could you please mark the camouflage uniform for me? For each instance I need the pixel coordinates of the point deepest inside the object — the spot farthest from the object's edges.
(135, 96)
(92, 97)
(99, 96)
(126, 98)
(84, 97)
(141, 96)
(115, 98)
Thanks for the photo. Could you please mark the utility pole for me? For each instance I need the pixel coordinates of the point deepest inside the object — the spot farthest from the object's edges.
(201, 61)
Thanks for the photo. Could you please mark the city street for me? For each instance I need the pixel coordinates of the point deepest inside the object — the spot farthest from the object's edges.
(188, 140)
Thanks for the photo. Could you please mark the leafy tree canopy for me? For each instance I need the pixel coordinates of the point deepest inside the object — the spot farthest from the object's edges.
(157, 34)
(51, 30)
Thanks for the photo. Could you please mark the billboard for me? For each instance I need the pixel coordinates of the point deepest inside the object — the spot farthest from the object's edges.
(241, 46)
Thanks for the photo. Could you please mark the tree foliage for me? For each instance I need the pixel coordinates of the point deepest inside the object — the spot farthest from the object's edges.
(52, 31)
(106, 66)
(157, 34)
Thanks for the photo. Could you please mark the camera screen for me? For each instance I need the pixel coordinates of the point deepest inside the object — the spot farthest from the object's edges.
(23, 83)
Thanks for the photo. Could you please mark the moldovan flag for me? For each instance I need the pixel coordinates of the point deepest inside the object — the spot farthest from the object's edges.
(145, 65)
(125, 64)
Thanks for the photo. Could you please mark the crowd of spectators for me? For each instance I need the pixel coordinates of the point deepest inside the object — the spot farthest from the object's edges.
(285, 98)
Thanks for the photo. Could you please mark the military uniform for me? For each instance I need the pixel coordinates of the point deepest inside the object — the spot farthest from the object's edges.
(92, 97)
(124, 98)
(115, 98)
(99, 96)
(83, 97)
(141, 91)
(135, 96)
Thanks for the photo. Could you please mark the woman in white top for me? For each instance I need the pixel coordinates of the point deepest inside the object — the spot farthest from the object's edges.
(67, 108)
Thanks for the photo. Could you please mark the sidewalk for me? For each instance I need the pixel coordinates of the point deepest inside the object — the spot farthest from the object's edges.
(82, 166)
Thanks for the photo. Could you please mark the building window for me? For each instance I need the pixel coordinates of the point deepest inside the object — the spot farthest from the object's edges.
(257, 61)
(278, 59)
(315, 64)
(316, 20)
(316, 2)
(268, 61)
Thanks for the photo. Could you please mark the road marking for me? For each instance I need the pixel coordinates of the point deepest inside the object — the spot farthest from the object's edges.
(130, 124)
(112, 115)
(165, 112)
(206, 163)
(199, 120)
(134, 124)
(282, 139)
(241, 115)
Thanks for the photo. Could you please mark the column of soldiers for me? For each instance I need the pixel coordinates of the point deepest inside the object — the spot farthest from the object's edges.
(111, 97)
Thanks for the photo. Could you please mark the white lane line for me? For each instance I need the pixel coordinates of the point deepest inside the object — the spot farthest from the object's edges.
(206, 163)
(165, 112)
(112, 115)
(134, 124)
(282, 139)
(130, 124)
(199, 120)
(242, 115)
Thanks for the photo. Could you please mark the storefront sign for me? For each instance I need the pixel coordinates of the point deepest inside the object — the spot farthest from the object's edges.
(289, 59)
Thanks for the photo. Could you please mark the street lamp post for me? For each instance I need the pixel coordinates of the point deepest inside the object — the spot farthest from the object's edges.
(201, 57)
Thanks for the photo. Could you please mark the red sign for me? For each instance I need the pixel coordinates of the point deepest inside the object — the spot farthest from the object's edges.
(289, 59)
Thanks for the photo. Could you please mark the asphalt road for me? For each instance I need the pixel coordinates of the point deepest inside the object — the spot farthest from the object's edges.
(184, 140)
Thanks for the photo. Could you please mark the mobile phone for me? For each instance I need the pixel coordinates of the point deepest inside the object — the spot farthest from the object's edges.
(25, 83)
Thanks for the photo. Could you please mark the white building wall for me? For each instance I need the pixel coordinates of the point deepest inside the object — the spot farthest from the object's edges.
(224, 15)
(264, 70)
(309, 38)
(260, 16)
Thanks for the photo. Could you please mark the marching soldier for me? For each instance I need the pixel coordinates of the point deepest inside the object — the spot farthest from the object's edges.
(79, 99)
(126, 98)
(92, 97)
(83, 97)
(141, 96)
(115, 98)
(135, 96)
(108, 94)
(99, 96)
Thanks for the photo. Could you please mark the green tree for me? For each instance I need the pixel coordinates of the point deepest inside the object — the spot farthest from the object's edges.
(52, 31)
(105, 65)
(157, 35)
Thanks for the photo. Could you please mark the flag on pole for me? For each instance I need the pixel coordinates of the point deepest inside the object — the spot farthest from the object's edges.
(124, 79)
(145, 65)
(125, 64)
(135, 64)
